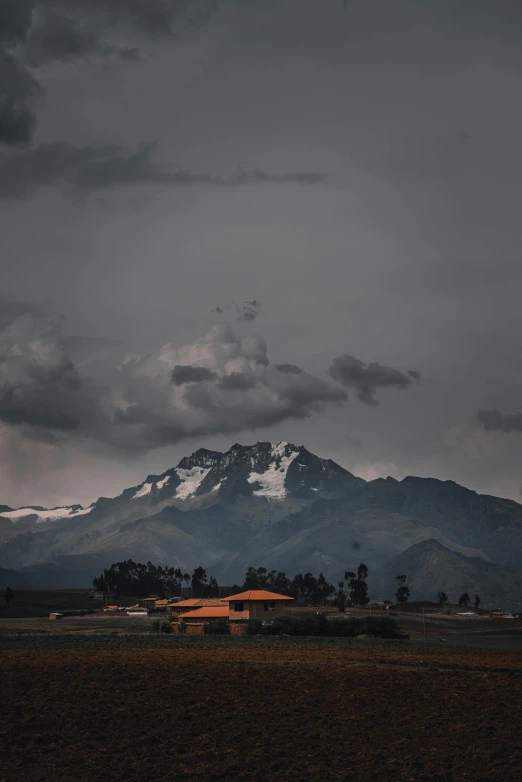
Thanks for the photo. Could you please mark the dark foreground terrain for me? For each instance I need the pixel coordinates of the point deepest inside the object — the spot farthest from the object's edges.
(203, 708)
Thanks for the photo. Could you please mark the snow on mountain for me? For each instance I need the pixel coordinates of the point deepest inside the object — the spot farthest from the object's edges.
(273, 479)
(190, 481)
(55, 514)
(143, 491)
(163, 482)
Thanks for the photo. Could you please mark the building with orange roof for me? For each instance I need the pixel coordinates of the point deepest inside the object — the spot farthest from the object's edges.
(197, 602)
(256, 604)
(206, 614)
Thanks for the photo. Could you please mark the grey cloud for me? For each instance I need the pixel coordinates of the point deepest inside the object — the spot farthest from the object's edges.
(300, 178)
(39, 386)
(61, 37)
(289, 369)
(494, 420)
(182, 374)
(64, 30)
(17, 86)
(159, 398)
(15, 20)
(249, 310)
(414, 374)
(131, 54)
(95, 168)
(254, 348)
(307, 393)
(11, 309)
(237, 381)
(366, 379)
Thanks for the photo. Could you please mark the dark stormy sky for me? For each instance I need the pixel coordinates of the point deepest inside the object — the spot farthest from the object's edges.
(232, 220)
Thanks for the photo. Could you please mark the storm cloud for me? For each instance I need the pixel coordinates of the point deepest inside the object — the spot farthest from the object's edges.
(495, 421)
(289, 369)
(219, 384)
(40, 389)
(182, 374)
(38, 32)
(224, 384)
(367, 379)
(88, 169)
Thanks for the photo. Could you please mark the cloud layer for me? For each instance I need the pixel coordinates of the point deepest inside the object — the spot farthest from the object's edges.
(494, 420)
(222, 383)
(367, 379)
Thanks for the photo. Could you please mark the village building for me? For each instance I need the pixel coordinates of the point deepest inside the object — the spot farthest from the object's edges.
(194, 603)
(194, 614)
(256, 604)
(206, 614)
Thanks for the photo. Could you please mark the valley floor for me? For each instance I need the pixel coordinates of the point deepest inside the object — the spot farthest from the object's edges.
(201, 708)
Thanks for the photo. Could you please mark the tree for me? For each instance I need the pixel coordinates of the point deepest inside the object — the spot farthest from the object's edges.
(464, 599)
(340, 600)
(8, 596)
(477, 601)
(138, 580)
(357, 585)
(199, 582)
(402, 594)
(442, 597)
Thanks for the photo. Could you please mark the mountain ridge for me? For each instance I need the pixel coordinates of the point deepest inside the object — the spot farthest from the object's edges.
(275, 505)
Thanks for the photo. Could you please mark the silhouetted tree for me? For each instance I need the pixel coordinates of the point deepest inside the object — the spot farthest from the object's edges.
(340, 600)
(402, 594)
(477, 601)
(199, 582)
(464, 599)
(138, 580)
(357, 585)
(260, 578)
(8, 596)
(442, 597)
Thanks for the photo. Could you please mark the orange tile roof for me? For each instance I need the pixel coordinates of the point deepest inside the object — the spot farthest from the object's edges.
(258, 594)
(199, 602)
(210, 612)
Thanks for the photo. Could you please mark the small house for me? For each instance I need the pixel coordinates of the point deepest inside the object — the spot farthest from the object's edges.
(256, 604)
(192, 604)
(205, 614)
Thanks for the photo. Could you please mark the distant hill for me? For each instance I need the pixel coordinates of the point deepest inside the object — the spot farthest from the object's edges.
(430, 567)
(278, 506)
(13, 579)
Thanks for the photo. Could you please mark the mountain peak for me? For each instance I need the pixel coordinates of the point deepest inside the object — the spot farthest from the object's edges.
(201, 458)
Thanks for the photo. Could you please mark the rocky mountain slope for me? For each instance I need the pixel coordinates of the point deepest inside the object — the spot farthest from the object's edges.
(432, 568)
(274, 505)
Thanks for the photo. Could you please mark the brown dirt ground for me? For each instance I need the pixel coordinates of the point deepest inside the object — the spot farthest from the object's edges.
(260, 714)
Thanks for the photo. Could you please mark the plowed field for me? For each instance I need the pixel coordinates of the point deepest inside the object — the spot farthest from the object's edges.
(260, 711)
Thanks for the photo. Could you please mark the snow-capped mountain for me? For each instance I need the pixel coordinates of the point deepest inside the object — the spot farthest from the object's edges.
(39, 515)
(272, 505)
(272, 472)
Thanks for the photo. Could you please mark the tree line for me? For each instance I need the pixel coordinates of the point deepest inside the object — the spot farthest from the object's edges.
(135, 579)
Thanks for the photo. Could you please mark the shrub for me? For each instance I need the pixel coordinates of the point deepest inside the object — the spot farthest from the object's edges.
(379, 627)
(253, 626)
(217, 627)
